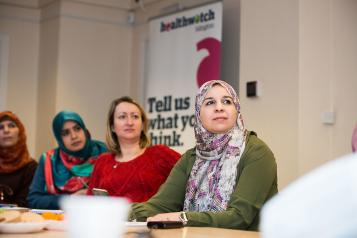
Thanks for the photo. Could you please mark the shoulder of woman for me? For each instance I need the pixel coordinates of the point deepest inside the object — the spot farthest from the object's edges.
(105, 156)
(190, 152)
(256, 148)
(42, 157)
(50, 152)
(189, 156)
(100, 145)
(33, 163)
(47, 153)
(31, 166)
(187, 160)
(159, 147)
(162, 153)
(162, 148)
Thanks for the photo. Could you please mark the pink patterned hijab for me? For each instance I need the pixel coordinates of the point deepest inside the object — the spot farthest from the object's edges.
(354, 139)
(213, 176)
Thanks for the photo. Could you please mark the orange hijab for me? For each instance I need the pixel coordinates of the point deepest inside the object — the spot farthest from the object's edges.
(16, 156)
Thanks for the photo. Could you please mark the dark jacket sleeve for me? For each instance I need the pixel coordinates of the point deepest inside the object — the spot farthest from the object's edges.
(38, 198)
(21, 195)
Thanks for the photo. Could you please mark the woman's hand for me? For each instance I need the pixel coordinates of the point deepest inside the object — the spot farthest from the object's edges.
(172, 216)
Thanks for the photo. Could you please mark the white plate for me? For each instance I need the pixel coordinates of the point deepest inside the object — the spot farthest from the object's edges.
(20, 209)
(56, 225)
(135, 224)
(40, 211)
(22, 227)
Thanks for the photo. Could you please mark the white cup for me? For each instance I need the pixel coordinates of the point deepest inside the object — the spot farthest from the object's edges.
(95, 216)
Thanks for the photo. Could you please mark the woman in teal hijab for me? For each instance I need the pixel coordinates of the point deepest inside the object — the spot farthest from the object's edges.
(67, 168)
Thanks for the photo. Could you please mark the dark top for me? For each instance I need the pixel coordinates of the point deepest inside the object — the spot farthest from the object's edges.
(37, 197)
(19, 182)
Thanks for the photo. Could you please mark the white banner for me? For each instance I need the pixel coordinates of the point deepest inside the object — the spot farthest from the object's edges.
(184, 52)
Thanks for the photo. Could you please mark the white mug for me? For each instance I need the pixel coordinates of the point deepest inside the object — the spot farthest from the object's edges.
(95, 216)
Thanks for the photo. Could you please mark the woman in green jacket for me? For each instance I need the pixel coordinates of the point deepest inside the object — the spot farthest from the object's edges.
(225, 180)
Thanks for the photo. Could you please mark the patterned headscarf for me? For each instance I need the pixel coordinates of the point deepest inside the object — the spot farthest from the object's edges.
(69, 171)
(354, 139)
(213, 176)
(16, 156)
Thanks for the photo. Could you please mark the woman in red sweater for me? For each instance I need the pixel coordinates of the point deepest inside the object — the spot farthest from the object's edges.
(132, 169)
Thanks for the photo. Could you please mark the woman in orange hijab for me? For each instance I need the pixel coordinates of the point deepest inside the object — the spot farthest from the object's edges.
(16, 166)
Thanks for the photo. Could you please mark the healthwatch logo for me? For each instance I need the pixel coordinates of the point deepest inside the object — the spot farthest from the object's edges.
(187, 21)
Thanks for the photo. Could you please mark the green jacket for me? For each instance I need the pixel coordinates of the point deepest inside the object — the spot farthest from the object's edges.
(256, 182)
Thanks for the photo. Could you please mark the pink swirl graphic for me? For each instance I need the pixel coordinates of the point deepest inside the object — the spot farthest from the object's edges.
(210, 66)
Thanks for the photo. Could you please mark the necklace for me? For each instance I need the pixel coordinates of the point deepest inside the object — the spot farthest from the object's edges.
(115, 165)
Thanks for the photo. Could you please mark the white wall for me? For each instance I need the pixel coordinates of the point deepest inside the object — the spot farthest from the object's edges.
(344, 85)
(47, 81)
(304, 53)
(4, 58)
(21, 28)
(327, 80)
(73, 56)
(270, 55)
(94, 62)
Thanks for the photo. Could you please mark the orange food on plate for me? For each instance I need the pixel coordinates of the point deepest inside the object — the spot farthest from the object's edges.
(52, 216)
(60, 217)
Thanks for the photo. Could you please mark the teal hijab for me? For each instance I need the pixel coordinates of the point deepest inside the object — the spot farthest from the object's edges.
(68, 171)
(57, 126)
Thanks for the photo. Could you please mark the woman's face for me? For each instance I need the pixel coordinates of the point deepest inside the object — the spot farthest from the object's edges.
(9, 133)
(73, 136)
(218, 113)
(127, 122)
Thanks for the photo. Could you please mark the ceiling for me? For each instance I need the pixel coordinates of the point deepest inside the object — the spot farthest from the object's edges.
(122, 4)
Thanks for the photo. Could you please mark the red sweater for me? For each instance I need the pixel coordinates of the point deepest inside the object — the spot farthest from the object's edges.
(138, 179)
